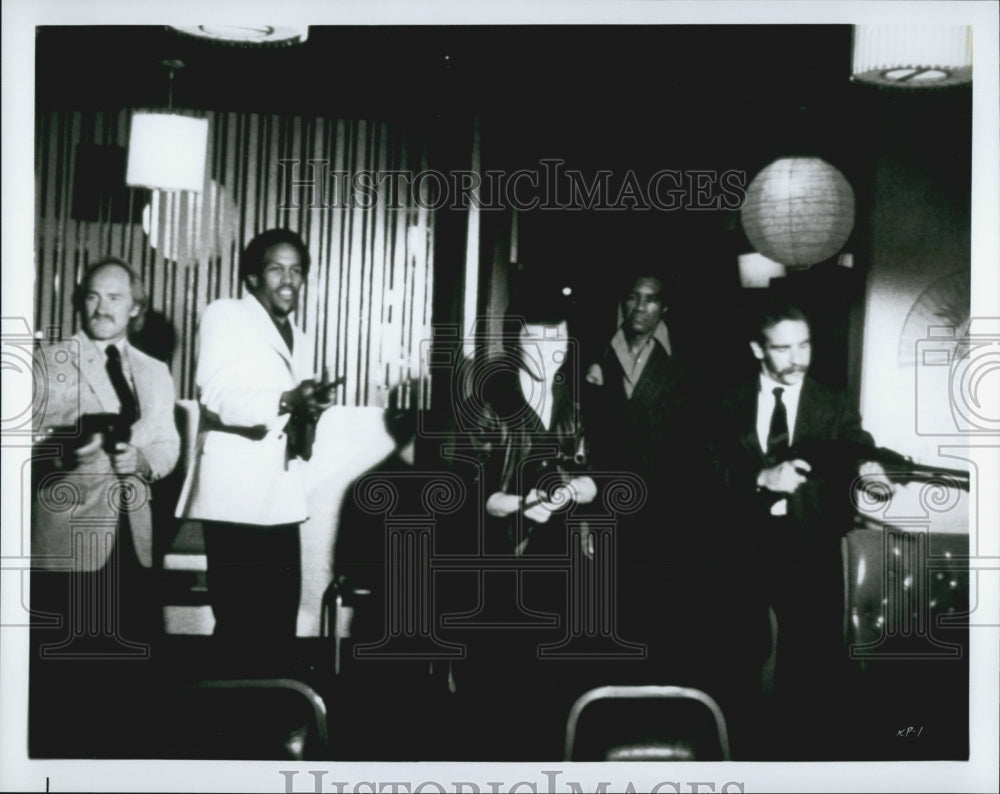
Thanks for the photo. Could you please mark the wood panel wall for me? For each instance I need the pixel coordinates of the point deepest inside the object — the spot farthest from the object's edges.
(367, 301)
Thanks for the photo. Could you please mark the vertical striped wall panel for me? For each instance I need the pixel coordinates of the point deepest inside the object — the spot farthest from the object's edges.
(366, 303)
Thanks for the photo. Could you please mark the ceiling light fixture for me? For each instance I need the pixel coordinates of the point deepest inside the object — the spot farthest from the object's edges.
(249, 35)
(910, 56)
(799, 211)
(167, 151)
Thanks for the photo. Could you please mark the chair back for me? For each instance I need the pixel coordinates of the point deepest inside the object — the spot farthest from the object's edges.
(249, 719)
(646, 723)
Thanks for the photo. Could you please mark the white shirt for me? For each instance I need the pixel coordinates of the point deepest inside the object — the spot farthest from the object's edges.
(123, 348)
(765, 408)
(538, 395)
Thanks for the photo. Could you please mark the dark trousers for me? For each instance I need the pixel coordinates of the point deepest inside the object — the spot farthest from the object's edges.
(254, 580)
(804, 584)
(93, 667)
(113, 611)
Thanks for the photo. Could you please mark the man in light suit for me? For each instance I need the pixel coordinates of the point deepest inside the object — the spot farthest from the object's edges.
(106, 431)
(257, 397)
(91, 513)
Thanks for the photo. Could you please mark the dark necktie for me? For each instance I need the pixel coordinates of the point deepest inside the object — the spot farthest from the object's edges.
(285, 329)
(777, 434)
(129, 407)
(129, 413)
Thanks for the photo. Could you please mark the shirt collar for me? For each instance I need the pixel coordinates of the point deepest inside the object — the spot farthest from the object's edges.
(660, 334)
(258, 308)
(769, 384)
(102, 346)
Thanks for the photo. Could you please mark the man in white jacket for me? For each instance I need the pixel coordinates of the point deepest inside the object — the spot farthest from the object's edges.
(255, 385)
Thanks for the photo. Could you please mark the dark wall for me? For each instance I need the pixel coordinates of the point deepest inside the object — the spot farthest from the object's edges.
(621, 100)
(711, 106)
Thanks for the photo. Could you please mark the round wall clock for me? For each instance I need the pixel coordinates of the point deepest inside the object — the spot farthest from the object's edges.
(942, 313)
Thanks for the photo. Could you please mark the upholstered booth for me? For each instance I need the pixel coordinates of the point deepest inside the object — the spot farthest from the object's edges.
(909, 601)
(902, 589)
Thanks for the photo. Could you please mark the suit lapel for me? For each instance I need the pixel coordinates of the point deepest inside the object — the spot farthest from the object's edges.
(94, 375)
(265, 326)
(564, 407)
(142, 384)
(302, 355)
(810, 418)
(747, 407)
(657, 378)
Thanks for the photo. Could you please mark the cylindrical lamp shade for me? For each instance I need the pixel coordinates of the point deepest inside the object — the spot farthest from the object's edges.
(756, 270)
(167, 152)
(798, 211)
(912, 56)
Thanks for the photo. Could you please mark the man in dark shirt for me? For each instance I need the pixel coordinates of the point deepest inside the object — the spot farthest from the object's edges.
(637, 385)
(640, 420)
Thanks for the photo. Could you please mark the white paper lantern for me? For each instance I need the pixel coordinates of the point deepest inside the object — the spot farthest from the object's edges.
(798, 211)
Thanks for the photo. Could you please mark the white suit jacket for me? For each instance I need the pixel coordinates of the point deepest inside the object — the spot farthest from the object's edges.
(75, 514)
(240, 473)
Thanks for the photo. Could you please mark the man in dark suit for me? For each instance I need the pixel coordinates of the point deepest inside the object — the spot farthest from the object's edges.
(791, 496)
(637, 384)
(377, 566)
(639, 413)
(360, 559)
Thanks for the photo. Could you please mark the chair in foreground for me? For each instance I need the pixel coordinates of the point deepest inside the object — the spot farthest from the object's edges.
(248, 719)
(646, 723)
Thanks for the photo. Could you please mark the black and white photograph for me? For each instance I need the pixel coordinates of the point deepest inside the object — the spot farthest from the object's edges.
(515, 398)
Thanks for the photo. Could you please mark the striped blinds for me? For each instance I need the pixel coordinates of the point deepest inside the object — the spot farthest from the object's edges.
(367, 301)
